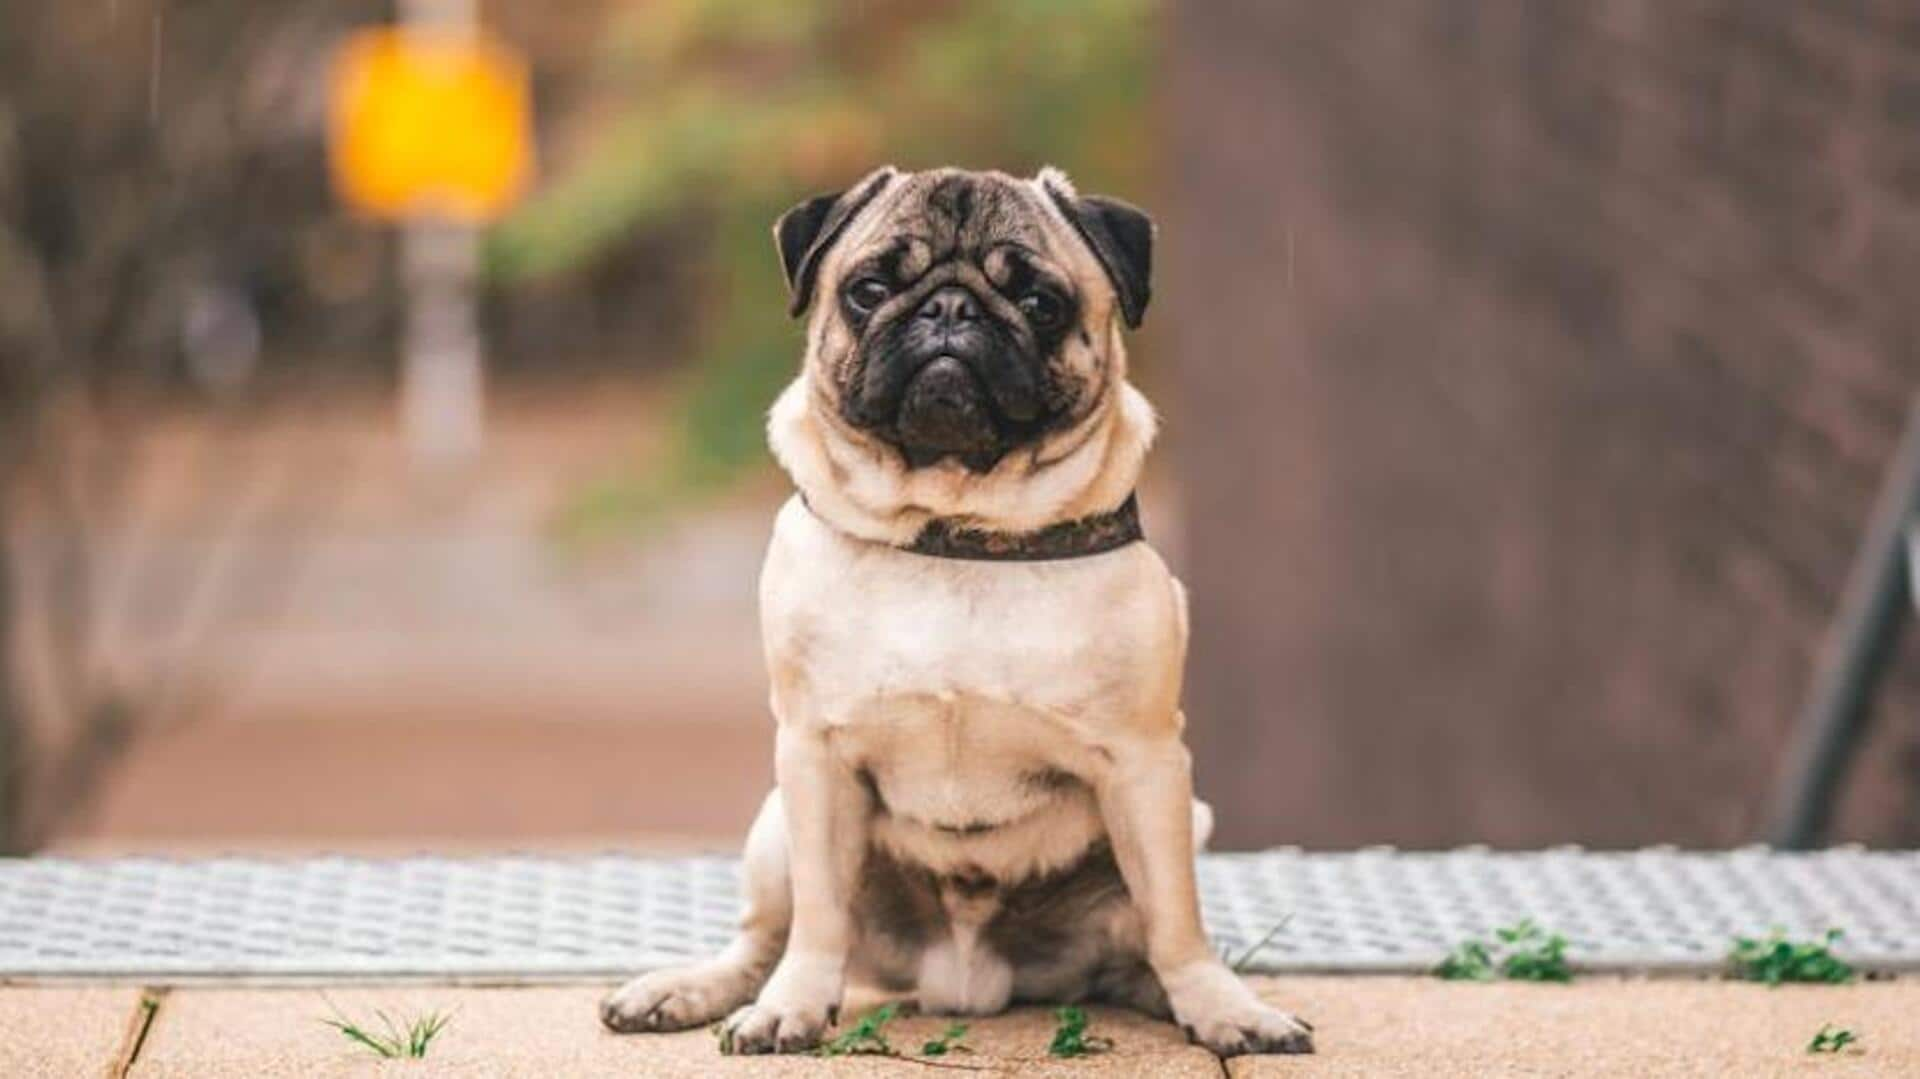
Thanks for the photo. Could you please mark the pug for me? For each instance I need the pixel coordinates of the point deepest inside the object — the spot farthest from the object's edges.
(982, 794)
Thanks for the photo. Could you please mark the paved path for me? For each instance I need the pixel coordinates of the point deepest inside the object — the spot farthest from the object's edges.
(310, 627)
(1367, 1027)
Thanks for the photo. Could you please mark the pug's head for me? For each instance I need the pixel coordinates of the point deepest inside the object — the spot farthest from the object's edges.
(960, 315)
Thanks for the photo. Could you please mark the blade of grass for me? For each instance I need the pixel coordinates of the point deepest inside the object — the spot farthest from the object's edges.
(428, 1029)
(355, 1034)
(409, 1039)
(1239, 965)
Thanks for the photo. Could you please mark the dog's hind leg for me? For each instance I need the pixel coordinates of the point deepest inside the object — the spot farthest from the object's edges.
(681, 997)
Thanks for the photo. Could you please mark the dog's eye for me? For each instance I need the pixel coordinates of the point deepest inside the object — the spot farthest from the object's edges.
(1043, 309)
(868, 293)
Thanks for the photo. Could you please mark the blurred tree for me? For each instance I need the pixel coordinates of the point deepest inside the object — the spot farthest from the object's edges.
(729, 111)
(23, 333)
(160, 191)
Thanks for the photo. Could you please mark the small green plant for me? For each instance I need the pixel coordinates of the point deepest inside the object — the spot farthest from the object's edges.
(1522, 952)
(1239, 964)
(1534, 955)
(866, 1037)
(1070, 1037)
(393, 1040)
(947, 1042)
(1832, 1039)
(1470, 961)
(1775, 959)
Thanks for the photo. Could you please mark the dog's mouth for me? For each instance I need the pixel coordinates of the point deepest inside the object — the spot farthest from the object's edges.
(946, 410)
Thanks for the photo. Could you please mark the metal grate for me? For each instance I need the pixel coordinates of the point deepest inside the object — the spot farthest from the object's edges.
(532, 918)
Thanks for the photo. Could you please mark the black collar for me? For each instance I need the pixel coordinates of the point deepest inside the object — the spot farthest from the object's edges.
(1093, 535)
(1098, 534)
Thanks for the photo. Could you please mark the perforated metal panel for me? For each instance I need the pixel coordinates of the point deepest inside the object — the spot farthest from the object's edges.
(531, 918)
(1640, 911)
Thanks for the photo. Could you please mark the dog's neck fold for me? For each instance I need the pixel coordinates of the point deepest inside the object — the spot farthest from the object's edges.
(864, 488)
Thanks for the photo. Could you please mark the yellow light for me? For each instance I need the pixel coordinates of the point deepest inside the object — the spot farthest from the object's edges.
(429, 124)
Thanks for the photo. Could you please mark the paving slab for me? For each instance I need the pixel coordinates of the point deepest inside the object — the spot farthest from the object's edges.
(1367, 1026)
(1390, 1026)
(67, 1032)
(549, 1031)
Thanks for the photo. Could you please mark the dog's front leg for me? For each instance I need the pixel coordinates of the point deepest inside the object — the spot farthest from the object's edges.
(826, 811)
(1146, 800)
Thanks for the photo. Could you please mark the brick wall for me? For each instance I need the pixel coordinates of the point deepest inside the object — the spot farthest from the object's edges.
(1533, 367)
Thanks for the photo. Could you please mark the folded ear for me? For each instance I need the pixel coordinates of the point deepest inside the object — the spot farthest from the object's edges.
(805, 233)
(1120, 235)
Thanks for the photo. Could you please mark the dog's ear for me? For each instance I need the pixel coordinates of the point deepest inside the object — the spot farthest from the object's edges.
(805, 233)
(1120, 235)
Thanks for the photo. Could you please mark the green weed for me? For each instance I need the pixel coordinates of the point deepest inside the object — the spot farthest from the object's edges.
(1070, 1037)
(866, 1037)
(1522, 952)
(408, 1040)
(947, 1042)
(1775, 959)
(1832, 1039)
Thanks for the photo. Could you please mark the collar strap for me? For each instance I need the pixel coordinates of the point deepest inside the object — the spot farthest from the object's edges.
(1097, 534)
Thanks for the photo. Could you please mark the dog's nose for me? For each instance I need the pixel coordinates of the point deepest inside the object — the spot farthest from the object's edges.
(949, 306)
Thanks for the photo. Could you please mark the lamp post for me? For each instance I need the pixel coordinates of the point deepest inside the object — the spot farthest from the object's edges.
(429, 129)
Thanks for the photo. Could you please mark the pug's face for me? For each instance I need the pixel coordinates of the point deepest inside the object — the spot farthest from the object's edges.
(960, 315)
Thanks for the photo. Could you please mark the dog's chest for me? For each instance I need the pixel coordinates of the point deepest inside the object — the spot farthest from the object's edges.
(982, 659)
(969, 695)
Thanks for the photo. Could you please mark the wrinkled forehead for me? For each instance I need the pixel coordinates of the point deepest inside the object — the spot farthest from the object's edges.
(957, 213)
(950, 214)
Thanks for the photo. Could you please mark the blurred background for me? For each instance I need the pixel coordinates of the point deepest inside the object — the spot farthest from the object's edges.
(1529, 371)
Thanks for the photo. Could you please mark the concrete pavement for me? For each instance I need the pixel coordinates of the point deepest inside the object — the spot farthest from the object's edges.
(1367, 1026)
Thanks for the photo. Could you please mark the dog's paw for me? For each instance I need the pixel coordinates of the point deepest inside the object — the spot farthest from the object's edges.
(675, 999)
(799, 1003)
(1258, 1028)
(1217, 1010)
(761, 1027)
